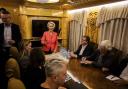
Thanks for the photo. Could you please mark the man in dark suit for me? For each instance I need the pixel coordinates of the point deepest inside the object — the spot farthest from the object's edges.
(9, 33)
(9, 36)
(85, 49)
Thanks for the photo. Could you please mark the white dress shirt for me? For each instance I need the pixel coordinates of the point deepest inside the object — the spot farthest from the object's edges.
(1, 21)
(7, 35)
(82, 49)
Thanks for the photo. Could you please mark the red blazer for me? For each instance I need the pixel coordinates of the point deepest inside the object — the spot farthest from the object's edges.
(49, 41)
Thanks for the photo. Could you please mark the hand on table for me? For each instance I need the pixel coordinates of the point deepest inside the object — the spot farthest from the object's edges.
(73, 55)
(86, 62)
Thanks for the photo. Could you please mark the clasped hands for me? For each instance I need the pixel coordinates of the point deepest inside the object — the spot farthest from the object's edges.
(84, 61)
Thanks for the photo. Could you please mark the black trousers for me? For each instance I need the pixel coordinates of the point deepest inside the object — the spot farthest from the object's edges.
(4, 56)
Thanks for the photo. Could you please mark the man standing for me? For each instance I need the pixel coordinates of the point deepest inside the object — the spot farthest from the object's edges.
(9, 33)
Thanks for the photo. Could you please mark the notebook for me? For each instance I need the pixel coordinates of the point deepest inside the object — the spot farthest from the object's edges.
(112, 77)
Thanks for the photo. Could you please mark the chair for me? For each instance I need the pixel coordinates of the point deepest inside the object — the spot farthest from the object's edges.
(14, 83)
(116, 64)
(14, 53)
(13, 65)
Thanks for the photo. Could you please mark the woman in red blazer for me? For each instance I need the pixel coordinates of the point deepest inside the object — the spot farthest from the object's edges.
(49, 39)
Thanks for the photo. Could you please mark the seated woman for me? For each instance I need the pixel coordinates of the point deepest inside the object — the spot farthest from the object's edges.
(85, 49)
(104, 57)
(24, 59)
(35, 72)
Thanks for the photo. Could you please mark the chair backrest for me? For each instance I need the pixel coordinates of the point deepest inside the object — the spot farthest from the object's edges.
(14, 83)
(12, 65)
(123, 63)
(14, 52)
(120, 61)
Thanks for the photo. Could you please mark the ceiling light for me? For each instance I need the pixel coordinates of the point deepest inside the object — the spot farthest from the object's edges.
(44, 1)
(106, 5)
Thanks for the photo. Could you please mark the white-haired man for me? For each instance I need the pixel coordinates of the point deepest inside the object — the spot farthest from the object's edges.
(103, 57)
(56, 71)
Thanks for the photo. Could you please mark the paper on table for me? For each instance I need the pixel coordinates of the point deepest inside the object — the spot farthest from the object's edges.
(112, 77)
(115, 78)
(109, 77)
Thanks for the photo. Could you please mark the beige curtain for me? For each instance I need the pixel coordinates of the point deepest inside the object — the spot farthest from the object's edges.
(113, 23)
(76, 29)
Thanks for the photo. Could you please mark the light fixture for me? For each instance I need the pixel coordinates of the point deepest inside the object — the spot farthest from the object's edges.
(106, 5)
(44, 1)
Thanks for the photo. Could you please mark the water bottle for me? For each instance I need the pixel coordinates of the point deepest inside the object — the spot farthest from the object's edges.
(69, 56)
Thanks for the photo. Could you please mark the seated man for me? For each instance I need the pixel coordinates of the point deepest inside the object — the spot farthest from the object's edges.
(85, 49)
(56, 71)
(104, 57)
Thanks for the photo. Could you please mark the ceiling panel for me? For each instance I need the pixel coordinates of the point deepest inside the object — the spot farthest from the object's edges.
(12, 1)
(62, 4)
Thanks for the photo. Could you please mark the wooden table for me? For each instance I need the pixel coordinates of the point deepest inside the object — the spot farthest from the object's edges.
(92, 77)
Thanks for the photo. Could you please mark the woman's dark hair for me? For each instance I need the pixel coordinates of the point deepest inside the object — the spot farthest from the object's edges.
(37, 57)
(6, 12)
(24, 43)
(2, 10)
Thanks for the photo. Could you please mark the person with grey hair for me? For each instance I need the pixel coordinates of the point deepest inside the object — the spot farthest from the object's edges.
(103, 57)
(56, 71)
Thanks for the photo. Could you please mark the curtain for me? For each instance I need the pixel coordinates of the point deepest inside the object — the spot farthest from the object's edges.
(113, 23)
(76, 29)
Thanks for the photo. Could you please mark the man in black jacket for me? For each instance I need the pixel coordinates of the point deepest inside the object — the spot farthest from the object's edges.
(9, 36)
(85, 49)
(9, 33)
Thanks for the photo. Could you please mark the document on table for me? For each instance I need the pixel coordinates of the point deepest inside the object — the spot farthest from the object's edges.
(112, 77)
